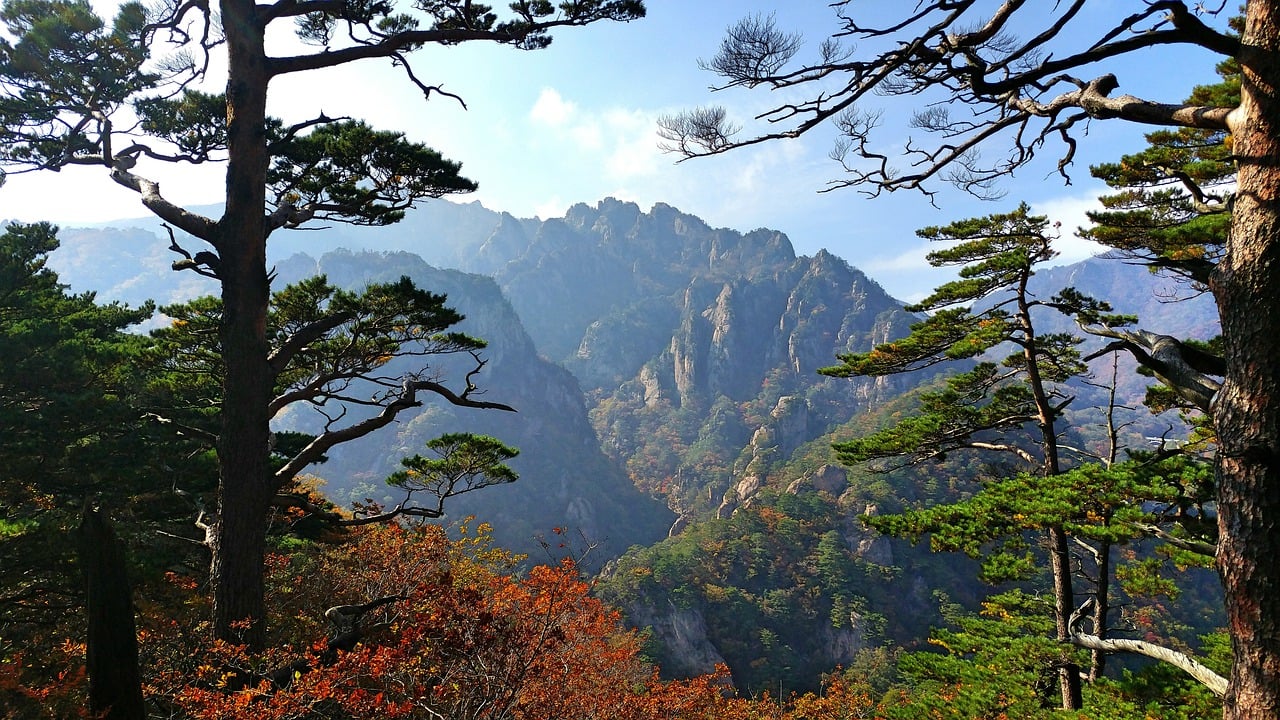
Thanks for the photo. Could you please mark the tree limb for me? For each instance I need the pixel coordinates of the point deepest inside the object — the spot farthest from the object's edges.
(1210, 679)
(1185, 370)
(1199, 547)
(291, 500)
(407, 398)
(281, 356)
(185, 220)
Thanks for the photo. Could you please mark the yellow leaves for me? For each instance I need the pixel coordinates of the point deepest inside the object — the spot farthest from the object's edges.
(993, 610)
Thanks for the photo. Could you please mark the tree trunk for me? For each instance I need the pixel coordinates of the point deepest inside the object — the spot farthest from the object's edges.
(246, 487)
(1246, 285)
(1063, 606)
(115, 686)
(1059, 545)
(1101, 608)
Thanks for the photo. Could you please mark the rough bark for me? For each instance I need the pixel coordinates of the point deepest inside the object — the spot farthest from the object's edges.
(1063, 597)
(245, 490)
(1059, 545)
(1248, 408)
(1246, 286)
(115, 685)
(1210, 679)
(1102, 607)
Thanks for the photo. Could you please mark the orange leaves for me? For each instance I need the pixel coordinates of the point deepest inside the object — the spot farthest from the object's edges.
(466, 641)
(838, 701)
(458, 637)
(46, 685)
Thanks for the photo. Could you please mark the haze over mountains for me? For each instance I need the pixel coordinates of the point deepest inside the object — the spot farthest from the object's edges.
(665, 374)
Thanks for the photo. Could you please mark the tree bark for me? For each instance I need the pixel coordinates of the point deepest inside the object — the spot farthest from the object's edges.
(1072, 697)
(1210, 679)
(115, 685)
(1068, 671)
(1101, 608)
(246, 487)
(1246, 286)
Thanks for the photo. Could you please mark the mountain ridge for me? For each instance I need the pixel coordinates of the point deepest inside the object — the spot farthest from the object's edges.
(666, 377)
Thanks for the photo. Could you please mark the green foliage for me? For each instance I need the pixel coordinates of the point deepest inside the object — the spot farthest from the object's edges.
(998, 255)
(326, 339)
(998, 663)
(1152, 216)
(973, 402)
(65, 59)
(1012, 407)
(66, 378)
(78, 428)
(463, 463)
(195, 122)
(772, 582)
(368, 177)
(1111, 505)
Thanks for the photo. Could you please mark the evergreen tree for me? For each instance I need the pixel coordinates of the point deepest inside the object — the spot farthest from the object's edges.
(1011, 406)
(1021, 81)
(348, 364)
(77, 91)
(76, 435)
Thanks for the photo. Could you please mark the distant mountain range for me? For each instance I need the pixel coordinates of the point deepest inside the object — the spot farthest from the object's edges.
(688, 346)
(665, 372)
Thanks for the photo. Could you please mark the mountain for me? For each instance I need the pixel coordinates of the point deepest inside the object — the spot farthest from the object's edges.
(565, 479)
(696, 348)
(666, 377)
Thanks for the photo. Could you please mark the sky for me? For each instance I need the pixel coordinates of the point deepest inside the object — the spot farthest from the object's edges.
(577, 122)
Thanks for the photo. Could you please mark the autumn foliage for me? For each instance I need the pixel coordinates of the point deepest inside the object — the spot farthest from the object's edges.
(460, 634)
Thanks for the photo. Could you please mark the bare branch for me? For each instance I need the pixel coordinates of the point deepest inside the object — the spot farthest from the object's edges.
(949, 50)
(406, 398)
(189, 222)
(1185, 370)
(1210, 679)
(753, 49)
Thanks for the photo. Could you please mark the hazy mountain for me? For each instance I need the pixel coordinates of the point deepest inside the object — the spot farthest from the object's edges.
(664, 370)
(697, 347)
(565, 480)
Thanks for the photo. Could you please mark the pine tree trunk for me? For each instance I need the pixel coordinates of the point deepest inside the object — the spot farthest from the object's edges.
(115, 685)
(1059, 545)
(1101, 608)
(1247, 409)
(1063, 605)
(246, 487)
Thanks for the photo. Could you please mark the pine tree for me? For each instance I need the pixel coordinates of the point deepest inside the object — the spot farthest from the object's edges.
(75, 90)
(1021, 77)
(1011, 406)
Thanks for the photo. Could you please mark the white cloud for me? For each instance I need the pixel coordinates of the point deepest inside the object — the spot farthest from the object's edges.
(1070, 212)
(588, 135)
(618, 143)
(635, 144)
(913, 258)
(553, 207)
(552, 109)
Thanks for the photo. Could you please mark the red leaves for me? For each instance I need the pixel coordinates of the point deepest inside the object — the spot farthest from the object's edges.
(468, 641)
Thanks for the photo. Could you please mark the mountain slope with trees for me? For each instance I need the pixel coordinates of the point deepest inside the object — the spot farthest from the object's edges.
(1017, 84)
(704, 395)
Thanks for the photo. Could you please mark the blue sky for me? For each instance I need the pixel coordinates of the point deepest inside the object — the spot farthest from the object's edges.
(577, 123)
